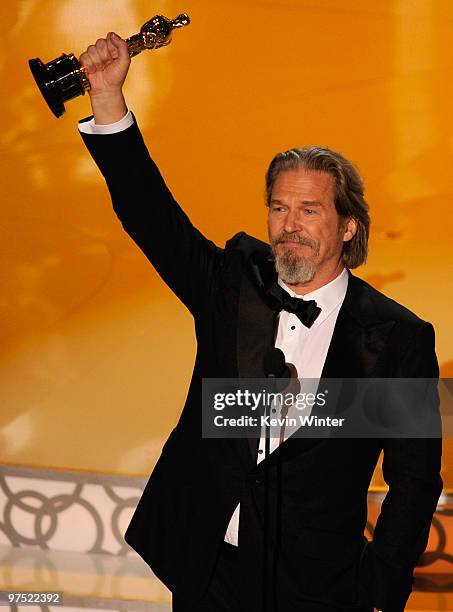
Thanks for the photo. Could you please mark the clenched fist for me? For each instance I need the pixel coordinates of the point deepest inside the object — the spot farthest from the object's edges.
(107, 63)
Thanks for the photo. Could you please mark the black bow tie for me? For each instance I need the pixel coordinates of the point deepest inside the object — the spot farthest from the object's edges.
(265, 276)
(307, 311)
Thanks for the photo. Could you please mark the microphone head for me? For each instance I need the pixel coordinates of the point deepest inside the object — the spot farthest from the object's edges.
(274, 364)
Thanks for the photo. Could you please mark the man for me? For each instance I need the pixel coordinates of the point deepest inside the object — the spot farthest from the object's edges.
(199, 523)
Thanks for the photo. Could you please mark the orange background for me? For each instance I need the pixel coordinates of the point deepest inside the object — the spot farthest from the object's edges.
(96, 351)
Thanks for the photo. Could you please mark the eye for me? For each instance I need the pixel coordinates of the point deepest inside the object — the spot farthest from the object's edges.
(309, 211)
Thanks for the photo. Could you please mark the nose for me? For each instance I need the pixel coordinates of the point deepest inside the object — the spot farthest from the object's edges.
(292, 222)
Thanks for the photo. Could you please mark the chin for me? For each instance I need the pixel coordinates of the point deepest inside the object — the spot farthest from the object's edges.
(295, 270)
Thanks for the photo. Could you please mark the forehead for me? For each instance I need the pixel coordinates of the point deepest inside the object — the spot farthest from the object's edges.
(304, 184)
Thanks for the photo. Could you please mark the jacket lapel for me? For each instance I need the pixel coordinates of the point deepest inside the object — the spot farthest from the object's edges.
(359, 335)
(257, 326)
(256, 318)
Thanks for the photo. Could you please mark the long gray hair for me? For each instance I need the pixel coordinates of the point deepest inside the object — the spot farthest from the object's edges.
(349, 192)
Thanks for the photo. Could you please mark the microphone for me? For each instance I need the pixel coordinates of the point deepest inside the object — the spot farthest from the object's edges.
(274, 364)
(276, 368)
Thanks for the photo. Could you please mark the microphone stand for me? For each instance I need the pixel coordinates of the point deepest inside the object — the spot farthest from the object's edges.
(275, 367)
(267, 555)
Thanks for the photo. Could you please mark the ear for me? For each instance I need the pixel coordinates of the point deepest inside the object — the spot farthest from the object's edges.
(349, 229)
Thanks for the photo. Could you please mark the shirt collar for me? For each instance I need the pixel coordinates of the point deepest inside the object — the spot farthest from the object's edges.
(327, 297)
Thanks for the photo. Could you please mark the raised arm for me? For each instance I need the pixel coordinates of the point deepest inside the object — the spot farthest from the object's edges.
(183, 257)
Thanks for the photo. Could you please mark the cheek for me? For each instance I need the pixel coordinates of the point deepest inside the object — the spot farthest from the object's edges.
(273, 227)
(328, 238)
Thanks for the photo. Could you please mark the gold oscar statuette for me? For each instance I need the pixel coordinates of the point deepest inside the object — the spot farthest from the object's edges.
(64, 78)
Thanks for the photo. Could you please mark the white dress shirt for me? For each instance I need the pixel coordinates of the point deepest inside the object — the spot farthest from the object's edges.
(306, 348)
(90, 127)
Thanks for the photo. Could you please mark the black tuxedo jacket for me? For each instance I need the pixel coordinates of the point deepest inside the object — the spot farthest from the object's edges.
(321, 484)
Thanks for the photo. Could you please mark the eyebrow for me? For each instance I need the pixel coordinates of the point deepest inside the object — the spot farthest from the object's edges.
(311, 202)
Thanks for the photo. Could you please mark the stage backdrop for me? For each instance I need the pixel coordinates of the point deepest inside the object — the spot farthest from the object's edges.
(96, 352)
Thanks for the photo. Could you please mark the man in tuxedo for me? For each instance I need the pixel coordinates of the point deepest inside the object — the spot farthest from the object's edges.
(199, 522)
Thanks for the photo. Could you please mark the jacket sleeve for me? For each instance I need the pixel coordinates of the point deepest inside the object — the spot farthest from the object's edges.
(411, 469)
(182, 256)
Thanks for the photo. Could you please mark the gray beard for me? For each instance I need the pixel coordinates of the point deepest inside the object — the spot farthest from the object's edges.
(294, 270)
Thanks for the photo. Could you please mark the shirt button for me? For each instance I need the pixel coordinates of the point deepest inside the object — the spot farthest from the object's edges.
(293, 327)
(260, 452)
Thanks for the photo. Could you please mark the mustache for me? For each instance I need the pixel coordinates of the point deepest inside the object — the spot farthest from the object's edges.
(285, 237)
